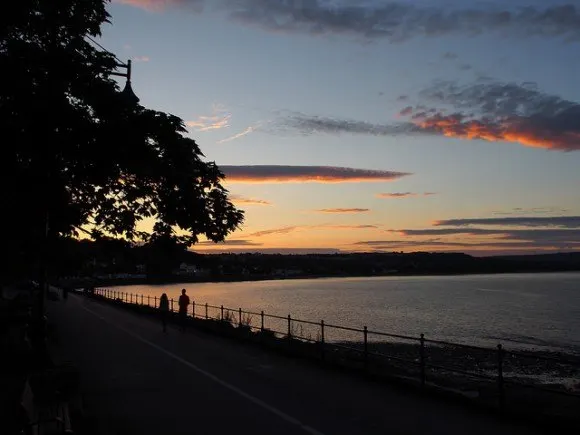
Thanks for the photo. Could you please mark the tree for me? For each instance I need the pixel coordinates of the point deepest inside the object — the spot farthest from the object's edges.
(78, 155)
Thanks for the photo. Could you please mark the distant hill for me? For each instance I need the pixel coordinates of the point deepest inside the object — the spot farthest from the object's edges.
(88, 259)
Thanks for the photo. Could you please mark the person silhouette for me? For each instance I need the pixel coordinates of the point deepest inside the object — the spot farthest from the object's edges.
(164, 310)
(183, 304)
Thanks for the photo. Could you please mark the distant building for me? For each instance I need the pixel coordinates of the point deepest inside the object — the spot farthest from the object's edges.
(186, 269)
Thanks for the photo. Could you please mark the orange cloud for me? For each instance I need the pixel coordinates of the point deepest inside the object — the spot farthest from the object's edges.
(220, 118)
(402, 194)
(513, 129)
(290, 229)
(306, 174)
(353, 227)
(343, 210)
(283, 230)
(159, 5)
(207, 123)
(238, 199)
(395, 195)
(509, 112)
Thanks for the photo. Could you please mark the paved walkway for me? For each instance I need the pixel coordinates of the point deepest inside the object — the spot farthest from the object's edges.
(138, 380)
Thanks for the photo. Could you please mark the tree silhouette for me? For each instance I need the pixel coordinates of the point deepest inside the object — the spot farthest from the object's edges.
(78, 155)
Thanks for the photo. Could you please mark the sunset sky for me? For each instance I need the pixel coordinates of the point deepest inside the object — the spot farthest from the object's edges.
(374, 125)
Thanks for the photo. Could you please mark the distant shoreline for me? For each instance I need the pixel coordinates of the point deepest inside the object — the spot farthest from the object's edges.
(121, 282)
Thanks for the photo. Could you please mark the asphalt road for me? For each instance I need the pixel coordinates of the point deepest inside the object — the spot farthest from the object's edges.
(138, 380)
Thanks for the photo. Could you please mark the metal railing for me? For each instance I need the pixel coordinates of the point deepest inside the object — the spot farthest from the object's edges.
(492, 372)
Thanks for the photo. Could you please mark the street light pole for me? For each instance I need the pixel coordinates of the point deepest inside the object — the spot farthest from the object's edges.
(128, 90)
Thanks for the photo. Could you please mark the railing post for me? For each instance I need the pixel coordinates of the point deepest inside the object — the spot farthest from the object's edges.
(141, 299)
(289, 327)
(500, 383)
(262, 321)
(172, 305)
(422, 360)
(206, 316)
(193, 309)
(222, 312)
(240, 318)
(366, 347)
(322, 339)
(154, 301)
(148, 300)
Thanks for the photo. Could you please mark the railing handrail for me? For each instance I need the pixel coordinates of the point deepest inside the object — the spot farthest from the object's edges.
(500, 353)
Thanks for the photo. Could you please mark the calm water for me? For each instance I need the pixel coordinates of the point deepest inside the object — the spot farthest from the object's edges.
(520, 310)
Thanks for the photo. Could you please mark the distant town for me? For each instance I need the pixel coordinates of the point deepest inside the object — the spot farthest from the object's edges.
(114, 262)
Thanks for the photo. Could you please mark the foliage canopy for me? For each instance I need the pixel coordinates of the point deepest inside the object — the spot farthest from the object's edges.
(75, 150)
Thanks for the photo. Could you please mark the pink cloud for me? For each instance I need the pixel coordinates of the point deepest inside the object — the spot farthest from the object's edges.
(305, 174)
(343, 210)
(141, 59)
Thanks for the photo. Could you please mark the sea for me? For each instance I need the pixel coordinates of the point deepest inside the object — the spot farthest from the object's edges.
(520, 311)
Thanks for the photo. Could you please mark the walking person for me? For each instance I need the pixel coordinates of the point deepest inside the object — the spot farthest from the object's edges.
(164, 310)
(183, 304)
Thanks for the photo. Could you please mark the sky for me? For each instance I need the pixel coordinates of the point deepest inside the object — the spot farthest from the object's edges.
(374, 125)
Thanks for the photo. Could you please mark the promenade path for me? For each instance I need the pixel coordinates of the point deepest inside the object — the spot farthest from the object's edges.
(138, 380)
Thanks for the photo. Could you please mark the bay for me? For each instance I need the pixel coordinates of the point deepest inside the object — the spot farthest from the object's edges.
(530, 311)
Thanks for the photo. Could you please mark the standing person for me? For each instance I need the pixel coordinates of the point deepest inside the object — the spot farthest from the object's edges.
(164, 310)
(183, 304)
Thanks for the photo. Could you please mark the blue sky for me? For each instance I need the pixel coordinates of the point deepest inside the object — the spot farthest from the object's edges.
(490, 127)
